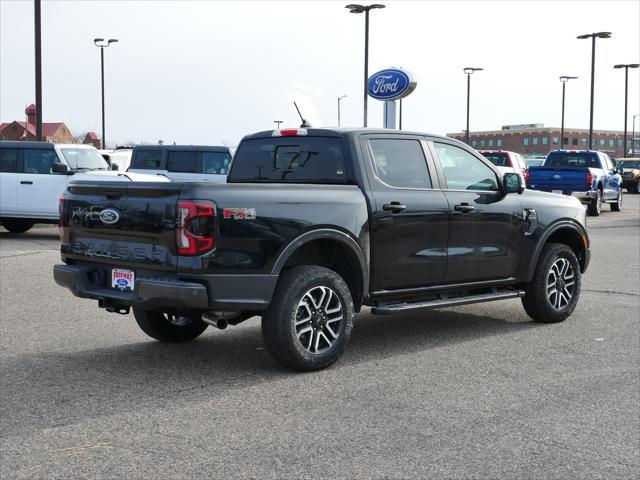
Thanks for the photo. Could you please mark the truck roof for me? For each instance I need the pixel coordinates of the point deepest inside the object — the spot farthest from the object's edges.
(340, 131)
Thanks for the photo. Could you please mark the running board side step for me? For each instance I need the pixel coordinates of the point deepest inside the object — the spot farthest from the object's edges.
(446, 302)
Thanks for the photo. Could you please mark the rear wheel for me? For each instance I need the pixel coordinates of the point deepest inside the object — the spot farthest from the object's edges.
(17, 225)
(310, 318)
(553, 293)
(167, 327)
(595, 206)
(617, 205)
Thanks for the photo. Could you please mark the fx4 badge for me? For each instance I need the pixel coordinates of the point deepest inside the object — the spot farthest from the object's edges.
(240, 213)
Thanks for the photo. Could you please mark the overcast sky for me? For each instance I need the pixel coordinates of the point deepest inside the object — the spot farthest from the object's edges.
(207, 72)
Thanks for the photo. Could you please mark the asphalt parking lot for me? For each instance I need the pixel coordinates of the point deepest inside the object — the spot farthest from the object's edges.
(470, 392)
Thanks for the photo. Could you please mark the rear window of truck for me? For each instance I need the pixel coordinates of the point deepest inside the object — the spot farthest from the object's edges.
(289, 160)
(149, 159)
(574, 160)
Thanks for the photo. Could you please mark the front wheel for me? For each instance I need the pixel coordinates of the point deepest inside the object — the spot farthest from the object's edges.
(617, 205)
(310, 318)
(553, 293)
(595, 206)
(17, 225)
(169, 328)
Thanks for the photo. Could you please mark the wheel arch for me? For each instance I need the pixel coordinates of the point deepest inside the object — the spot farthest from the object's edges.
(333, 249)
(568, 233)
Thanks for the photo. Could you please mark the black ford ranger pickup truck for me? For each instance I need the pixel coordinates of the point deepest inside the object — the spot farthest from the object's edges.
(314, 224)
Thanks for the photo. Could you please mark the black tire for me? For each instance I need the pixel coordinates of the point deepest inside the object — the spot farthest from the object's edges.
(595, 206)
(325, 337)
(617, 205)
(169, 328)
(17, 226)
(543, 306)
(636, 186)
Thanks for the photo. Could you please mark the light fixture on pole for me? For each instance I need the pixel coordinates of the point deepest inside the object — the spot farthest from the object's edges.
(564, 79)
(339, 98)
(633, 136)
(626, 84)
(355, 8)
(469, 71)
(278, 122)
(593, 37)
(100, 42)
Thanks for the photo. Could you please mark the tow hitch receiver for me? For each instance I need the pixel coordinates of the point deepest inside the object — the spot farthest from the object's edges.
(112, 307)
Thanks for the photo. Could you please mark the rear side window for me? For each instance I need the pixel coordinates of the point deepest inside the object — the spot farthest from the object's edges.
(8, 160)
(39, 161)
(216, 162)
(181, 161)
(400, 163)
(576, 160)
(289, 160)
(149, 159)
(498, 159)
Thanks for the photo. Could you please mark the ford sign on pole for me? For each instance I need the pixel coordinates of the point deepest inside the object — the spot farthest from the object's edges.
(391, 84)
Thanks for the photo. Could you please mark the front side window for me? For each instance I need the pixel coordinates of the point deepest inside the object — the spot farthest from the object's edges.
(84, 159)
(9, 160)
(216, 162)
(39, 161)
(463, 171)
(181, 161)
(147, 159)
(400, 163)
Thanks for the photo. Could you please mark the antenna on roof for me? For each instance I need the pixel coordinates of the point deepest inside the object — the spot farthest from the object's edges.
(305, 124)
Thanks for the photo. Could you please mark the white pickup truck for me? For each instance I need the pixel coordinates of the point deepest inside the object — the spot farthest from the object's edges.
(33, 176)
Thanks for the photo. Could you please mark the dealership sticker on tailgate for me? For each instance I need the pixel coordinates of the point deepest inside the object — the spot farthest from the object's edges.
(122, 279)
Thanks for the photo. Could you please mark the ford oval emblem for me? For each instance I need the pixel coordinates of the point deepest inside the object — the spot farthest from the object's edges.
(109, 216)
(391, 84)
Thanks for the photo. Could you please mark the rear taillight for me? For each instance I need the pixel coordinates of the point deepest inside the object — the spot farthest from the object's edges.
(61, 218)
(195, 232)
(525, 175)
(589, 179)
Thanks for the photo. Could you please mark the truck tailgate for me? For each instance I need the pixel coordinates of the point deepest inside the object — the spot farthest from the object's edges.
(121, 224)
(559, 178)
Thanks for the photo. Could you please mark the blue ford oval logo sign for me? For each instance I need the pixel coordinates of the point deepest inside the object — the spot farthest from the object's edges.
(109, 216)
(391, 84)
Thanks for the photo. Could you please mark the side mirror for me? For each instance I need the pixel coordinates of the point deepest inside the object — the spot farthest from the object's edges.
(60, 168)
(114, 167)
(512, 183)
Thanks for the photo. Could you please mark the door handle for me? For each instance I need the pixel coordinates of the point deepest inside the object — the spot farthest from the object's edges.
(394, 207)
(26, 182)
(464, 208)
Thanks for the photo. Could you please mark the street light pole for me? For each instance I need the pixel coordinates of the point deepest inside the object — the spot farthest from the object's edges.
(593, 37)
(38, 55)
(99, 42)
(564, 79)
(339, 98)
(355, 8)
(469, 71)
(626, 85)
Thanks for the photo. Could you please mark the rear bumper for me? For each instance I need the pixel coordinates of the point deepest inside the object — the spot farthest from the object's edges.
(193, 292)
(584, 197)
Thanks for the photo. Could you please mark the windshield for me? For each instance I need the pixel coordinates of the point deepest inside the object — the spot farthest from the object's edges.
(498, 159)
(629, 163)
(84, 159)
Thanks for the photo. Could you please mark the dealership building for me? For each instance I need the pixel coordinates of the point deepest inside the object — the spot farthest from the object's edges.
(536, 139)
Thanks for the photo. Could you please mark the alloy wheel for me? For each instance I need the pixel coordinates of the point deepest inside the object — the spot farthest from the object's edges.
(319, 317)
(561, 284)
